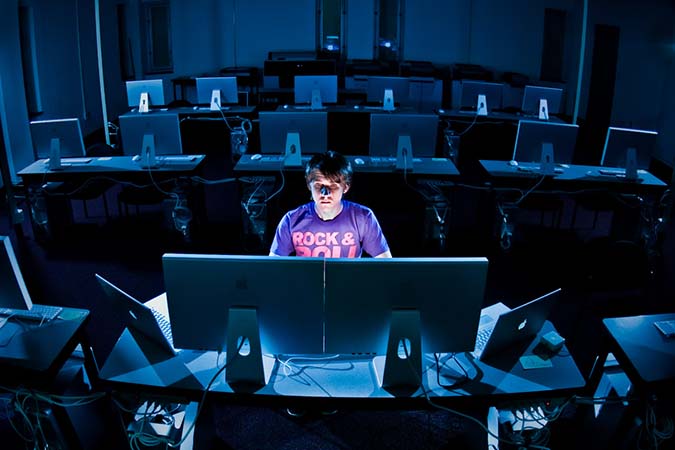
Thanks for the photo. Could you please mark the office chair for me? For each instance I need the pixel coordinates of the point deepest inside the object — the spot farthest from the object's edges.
(97, 188)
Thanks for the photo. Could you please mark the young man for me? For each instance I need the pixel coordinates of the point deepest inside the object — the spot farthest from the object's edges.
(329, 226)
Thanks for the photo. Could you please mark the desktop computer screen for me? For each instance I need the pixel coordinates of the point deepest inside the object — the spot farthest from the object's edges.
(286, 292)
(311, 126)
(532, 134)
(154, 89)
(163, 129)
(326, 85)
(361, 294)
(471, 90)
(225, 86)
(385, 130)
(532, 95)
(376, 86)
(619, 140)
(66, 131)
(13, 292)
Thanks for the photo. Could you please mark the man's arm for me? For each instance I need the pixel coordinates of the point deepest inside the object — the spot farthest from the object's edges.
(386, 254)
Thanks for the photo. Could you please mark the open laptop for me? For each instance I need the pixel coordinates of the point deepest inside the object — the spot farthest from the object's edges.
(511, 326)
(147, 321)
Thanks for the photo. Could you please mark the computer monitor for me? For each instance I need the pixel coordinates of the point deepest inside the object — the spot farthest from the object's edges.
(619, 140)
(143, 94)
(285, 292)
(533, 134)
(387, 131)
(217, 91)
(362, 293)
(315, 90)
(377, 87)
(481, 96)
(57, 138)
(13, 292)
(293, 133)
(149, 135)
(532, 100)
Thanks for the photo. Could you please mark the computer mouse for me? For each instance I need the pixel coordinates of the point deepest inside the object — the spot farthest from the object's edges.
(359, 161)
(441, 111)
(356, 107)
(513, 163)
(136, 158)
(256, 157)
(285, 106)
(195, 107)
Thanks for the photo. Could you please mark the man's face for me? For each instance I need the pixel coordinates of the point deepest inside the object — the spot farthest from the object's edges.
(327, 194)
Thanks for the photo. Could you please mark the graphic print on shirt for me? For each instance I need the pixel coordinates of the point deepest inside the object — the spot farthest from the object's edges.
(334, 244)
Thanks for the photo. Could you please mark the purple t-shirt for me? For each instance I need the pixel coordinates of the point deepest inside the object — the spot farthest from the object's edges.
(353, 231)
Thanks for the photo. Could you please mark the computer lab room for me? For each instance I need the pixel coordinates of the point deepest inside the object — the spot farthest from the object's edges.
(337, 224)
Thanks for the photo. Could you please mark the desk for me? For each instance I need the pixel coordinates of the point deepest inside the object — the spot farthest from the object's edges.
(647, 357)
(32, 354)
(575, 179)
(37, 177)
(270, 163)
(137, 365)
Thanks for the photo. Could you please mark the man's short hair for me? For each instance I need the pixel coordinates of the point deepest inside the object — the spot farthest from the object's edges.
(332, 165)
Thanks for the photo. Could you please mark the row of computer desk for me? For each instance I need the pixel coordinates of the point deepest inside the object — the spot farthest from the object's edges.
(32, 354)
(181, 179)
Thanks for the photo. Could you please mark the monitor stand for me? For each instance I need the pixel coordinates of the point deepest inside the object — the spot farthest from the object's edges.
(543, 109)
(55, 154)
(388, 100)
(404, 154)
(547, 162)
(215, 100)
(403, 363)
(292, 157)
(631, 163)
(148, 159)
(316, 100)
(144, 103)
(244, 354)
(481, 105)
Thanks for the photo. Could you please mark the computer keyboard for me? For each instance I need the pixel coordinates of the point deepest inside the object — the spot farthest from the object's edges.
(177, 158)
(68, 161)
(37, 312)
(164, 324)
(612, 172)
(482, 337)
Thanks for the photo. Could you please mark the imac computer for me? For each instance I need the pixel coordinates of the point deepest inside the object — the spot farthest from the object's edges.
(545, 144)
(316, 90)
(58, 138)
(425, 305)
(403, 136)
(448, 293)
(217, 91)
(150, 135)
(216, 302)
(627, 149)
(481, 97)
(145, 94)
(387, 91)
(293, 133)
(540, 101)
